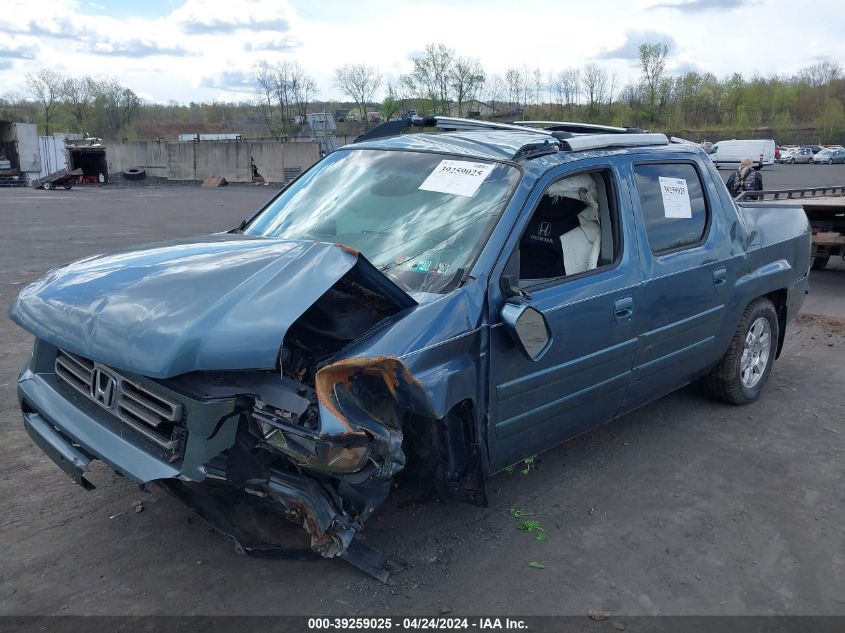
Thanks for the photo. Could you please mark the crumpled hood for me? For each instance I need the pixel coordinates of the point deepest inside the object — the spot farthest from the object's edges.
(208, 303)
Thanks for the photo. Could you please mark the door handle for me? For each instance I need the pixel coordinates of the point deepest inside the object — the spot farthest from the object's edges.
(623, 309)
(720, 277)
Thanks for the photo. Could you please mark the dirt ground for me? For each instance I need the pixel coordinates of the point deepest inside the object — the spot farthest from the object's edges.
(686, 506)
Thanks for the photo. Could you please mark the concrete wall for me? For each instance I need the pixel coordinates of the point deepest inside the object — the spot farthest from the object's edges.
(151, 155)
(229, 159)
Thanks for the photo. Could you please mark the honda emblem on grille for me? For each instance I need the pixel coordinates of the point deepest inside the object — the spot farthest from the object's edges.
(103, 388)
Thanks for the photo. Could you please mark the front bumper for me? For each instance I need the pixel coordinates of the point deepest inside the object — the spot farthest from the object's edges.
(73, 437)
(74, 430)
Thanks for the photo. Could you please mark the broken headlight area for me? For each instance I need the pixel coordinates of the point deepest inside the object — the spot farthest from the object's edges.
(324, 452)
(307, 449)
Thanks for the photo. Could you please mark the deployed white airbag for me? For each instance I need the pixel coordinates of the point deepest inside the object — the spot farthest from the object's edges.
(582, 245)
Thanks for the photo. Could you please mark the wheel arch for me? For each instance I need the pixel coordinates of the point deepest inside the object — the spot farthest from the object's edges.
(449, 451)
(779, 300)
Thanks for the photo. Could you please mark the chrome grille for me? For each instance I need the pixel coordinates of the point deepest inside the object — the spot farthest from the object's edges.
(150, 414)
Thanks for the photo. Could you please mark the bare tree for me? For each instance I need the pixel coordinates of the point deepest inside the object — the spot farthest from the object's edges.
(652, 63)
(513, 85)
(822, 73)
(537, 84)
(466, 78)
(571, 84)
(595, 85)
(283, 83)
(265, 89)
(494, 89)
(359, 82)
(45, 86)
(432, 75)
(526, 84)
(303, 90)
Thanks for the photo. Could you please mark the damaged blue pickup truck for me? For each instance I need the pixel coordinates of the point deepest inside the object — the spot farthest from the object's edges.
(444, 303)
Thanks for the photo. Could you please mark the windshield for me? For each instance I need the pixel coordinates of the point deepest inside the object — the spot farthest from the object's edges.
(425, 239)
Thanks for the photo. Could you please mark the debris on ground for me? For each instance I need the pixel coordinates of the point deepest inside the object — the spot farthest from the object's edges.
(598, 614)
(215, 181)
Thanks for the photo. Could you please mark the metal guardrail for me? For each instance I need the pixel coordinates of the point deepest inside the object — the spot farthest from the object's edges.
(791, 194)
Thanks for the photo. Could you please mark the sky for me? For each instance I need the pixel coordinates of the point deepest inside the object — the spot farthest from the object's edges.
(203, 50)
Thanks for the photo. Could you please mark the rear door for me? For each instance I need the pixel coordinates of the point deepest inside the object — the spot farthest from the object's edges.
(580, 381)
(688, 269)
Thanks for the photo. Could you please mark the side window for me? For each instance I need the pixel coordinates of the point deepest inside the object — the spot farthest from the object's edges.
(573, 229)
(673, 204)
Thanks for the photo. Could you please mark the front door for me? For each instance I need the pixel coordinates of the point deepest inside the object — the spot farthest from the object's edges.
(591, 305)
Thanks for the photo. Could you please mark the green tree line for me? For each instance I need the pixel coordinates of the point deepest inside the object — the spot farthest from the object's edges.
(442, 81)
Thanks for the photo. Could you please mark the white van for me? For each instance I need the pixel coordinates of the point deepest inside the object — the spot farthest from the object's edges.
(730, 153)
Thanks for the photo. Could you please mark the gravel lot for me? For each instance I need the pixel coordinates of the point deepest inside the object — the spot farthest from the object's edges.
(686, 506)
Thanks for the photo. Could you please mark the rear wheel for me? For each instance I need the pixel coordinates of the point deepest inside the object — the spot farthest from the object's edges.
(68, 185)
(820, 261)
(742, 373)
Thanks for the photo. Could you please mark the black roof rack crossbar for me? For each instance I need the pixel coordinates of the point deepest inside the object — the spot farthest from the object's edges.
(455, 123)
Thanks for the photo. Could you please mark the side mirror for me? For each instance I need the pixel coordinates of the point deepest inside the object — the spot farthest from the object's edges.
(528, 328)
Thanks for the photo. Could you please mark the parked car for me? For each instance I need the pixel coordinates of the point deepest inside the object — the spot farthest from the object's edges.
(829, 157)
(447, 304)
(815, 148)
(800, 155)
(730, 153)
(785, 153)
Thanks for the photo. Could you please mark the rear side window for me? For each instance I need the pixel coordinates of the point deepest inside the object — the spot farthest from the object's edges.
(673, 204)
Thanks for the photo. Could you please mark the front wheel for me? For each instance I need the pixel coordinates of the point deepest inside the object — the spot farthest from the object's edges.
(791, 161)
(742, 373)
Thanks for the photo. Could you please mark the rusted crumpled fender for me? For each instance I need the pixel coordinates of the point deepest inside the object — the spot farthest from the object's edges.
(370, 395)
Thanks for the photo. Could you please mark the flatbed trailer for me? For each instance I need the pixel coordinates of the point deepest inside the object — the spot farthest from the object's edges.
(62, 178)
(825, 209)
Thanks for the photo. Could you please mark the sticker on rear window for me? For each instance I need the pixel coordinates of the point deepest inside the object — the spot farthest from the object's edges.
(458, 177)
(675, 197)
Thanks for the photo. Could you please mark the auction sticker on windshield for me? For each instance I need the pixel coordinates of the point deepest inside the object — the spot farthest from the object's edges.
(458, 177)
(675, 197)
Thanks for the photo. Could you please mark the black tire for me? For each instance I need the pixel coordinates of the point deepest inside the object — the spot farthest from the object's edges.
(134, 173)
(724, 382)
(820, 261)
(68, 185)
(791, 161)
(47, 186)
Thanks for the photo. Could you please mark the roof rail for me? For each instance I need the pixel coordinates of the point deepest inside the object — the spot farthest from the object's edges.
(455, 123)
(601, 141)
(579, 128)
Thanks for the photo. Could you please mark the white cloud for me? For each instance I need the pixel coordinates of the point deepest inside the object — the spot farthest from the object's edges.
(206, 49)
